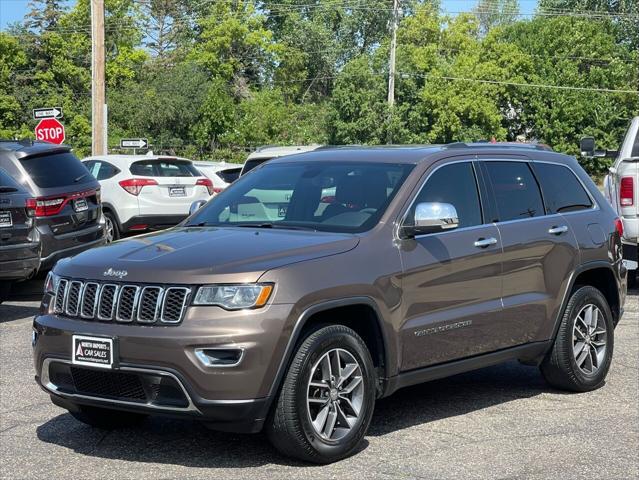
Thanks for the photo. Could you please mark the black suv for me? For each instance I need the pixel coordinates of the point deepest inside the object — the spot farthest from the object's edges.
(49, 199)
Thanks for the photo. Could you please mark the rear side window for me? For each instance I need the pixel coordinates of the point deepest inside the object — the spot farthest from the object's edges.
(7, 182)
(562, 191)
(454, 184)
(230, 175)
(57, 170)
(516, 191)
(164, 168)
(635, 147)
(251, 164)
(102, 170)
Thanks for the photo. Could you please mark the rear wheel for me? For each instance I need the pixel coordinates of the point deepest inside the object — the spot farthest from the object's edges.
(107, 419)
(111, 230)
(327, 399)
(5, 289)
(582, 352)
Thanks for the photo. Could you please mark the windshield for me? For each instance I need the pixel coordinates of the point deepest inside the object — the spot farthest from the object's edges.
(334, 197)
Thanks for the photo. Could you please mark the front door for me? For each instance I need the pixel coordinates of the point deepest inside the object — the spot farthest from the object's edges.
(451, 280)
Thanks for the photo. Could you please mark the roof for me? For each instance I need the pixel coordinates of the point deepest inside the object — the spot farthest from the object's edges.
(413, 154)
(274, 151)
(29, 147)
(218, 165)
(121, 159)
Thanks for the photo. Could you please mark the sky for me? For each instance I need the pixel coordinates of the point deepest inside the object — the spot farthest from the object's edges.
(14, 10)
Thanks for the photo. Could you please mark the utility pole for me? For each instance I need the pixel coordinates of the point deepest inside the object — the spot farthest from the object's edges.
(98, 100)
(391, 61)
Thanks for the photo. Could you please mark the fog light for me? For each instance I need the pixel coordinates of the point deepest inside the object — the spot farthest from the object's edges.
(219, 357)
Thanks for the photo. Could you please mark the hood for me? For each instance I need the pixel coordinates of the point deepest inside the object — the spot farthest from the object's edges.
(194, 255)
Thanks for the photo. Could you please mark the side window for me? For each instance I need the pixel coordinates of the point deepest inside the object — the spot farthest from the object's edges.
(562, 191)
(516, 190)
(106, 171)
(454, 184)
(635, 146)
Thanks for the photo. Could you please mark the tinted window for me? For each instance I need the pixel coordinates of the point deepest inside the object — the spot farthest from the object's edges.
(7, 182)
(58, 170)
(562, 191)
(164, 168)
(101, 170)
(334, 197)
(635, 147)
(454, 184)
(516, 190)
(229, 175)
(251, 164)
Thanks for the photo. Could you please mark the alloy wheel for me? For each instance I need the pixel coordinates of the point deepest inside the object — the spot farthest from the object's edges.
(335, 394)
(589, 339)
(108, 227)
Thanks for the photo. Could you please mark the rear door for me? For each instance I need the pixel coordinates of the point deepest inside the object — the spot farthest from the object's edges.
(177, 184)
(451, 284)
(540, 251)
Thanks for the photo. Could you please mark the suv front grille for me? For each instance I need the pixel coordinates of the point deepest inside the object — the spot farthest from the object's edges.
(122, 303)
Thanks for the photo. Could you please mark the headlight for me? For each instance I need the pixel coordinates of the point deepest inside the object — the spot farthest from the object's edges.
(234, 297)
(51, 283)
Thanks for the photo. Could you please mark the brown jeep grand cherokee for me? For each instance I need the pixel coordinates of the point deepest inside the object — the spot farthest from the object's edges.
(316, 284)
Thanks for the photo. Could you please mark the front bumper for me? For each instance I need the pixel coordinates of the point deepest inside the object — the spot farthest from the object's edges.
(232, 398)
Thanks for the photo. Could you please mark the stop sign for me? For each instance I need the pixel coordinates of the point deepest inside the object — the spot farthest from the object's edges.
(50, 130)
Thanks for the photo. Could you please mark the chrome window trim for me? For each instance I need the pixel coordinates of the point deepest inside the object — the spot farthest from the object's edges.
(66, 302)
(115, 303)
(158, 304)
(95, 301)
(46, 383)
(402, 216)
(187, 291)
(136, 297)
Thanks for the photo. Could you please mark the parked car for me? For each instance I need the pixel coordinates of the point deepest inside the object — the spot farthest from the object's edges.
(146, 192)
(264, 154)
(19, 240)
(50, 199)
(375, 269)
(621, 188)
(222, 174)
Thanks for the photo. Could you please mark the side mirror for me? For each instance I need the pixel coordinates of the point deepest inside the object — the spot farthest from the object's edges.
(587, 146)
(195, 206)
(431, 217)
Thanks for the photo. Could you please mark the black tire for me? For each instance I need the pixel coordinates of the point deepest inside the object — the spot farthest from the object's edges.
(107, 419)
(289, 426)
(110, 219)
(5, 290)
(560, 368)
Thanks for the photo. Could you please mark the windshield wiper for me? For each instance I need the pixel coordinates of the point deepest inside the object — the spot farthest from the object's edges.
(273, 225)
(576, 205)
(76, 180)
(202, 224)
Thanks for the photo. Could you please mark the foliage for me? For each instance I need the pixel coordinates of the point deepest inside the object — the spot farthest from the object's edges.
(215, 79)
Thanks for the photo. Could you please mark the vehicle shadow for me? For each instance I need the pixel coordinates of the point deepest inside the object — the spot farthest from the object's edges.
(9, 313)
(188, 443)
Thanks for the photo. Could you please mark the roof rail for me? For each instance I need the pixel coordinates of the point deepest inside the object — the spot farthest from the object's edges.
(485, 144)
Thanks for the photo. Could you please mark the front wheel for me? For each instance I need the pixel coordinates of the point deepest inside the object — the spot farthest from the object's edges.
(582, 352)
(327, 399)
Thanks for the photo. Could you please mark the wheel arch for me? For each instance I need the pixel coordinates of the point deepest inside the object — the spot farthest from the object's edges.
(107, 207)
(600, 275)
(372, 332)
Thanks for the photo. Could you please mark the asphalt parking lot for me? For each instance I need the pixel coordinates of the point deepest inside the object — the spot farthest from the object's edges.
(499, 422)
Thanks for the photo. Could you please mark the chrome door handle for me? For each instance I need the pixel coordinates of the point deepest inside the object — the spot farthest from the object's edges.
(558, 230)
(485, 242)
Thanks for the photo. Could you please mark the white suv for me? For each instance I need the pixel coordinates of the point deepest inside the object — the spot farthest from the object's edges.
(264, 154)
(146, 192)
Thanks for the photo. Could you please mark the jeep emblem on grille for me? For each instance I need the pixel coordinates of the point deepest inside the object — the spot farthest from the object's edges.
(115, 273)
